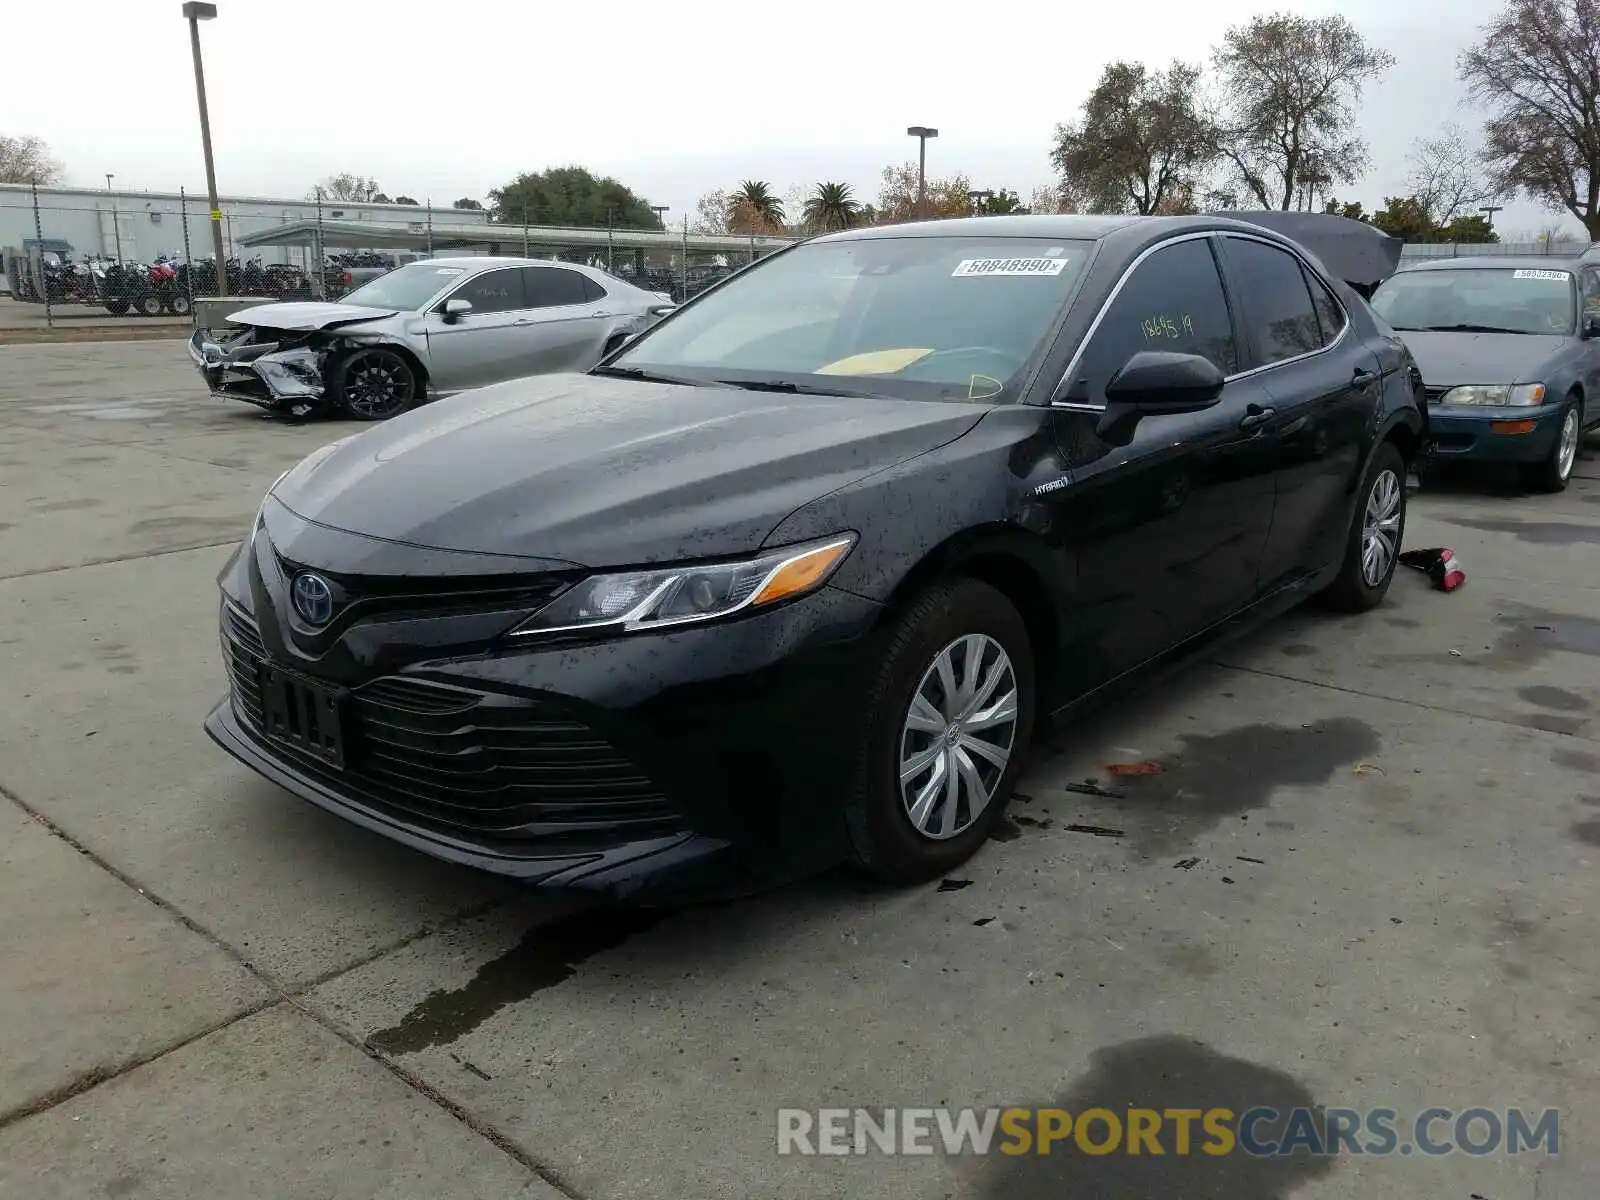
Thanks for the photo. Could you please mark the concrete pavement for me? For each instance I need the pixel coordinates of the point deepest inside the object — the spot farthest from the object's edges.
(1360, 880)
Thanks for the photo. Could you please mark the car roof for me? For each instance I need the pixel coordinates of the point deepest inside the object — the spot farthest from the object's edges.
(1510, 262)
(483, 261)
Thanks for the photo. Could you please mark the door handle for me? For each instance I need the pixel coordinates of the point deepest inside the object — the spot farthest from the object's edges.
(1255, 416)
(599, 314)
(1363, 379)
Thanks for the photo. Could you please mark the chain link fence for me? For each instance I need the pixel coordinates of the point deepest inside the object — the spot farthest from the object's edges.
(1413, 252)
(80, 256)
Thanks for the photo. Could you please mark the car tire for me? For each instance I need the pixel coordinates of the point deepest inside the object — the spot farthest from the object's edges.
(1555, 472)
(179, 304)
(148, 305)
(944, 625)
(374, 384)
(1380, 515)
(117, 308)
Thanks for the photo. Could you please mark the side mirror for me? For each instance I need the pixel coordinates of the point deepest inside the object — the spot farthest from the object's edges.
(1591, 324)
(454, 310)
(1154, 383)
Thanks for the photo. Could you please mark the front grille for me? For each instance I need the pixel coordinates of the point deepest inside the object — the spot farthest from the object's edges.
(489, 768)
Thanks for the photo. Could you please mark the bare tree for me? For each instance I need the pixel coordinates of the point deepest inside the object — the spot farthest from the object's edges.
(1142, 139)
(348, 188)
(1447, 179)
(1537, 72)
(1290, 86)
(27, 159)
(711, 213)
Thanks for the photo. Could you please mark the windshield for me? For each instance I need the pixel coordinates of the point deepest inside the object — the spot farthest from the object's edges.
(1479, 299)
(406, 288)
(947, 318)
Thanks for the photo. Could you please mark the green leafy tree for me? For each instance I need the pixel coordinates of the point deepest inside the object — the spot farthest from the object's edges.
(1141, 139)
(407, 200)
(1001, 203)
(831, 206)
(1334, 207)
(570, 196)
(1468, 229)
(754, 209)
(1290, 86)
(469, 204)
(1405, 217)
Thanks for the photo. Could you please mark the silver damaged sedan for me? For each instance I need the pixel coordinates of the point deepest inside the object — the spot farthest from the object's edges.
(423, 331)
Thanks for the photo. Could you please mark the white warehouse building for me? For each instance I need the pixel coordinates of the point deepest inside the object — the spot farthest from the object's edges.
(143, 226)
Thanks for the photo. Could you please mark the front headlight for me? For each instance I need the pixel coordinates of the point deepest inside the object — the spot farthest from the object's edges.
(642, 600)
(1520, 396)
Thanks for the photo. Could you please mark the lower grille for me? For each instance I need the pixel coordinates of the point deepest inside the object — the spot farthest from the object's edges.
(489, 768)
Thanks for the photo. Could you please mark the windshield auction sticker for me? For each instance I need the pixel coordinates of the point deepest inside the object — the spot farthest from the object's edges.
(969, 267)
(1540, 275)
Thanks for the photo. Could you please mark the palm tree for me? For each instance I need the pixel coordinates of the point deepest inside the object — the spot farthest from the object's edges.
(831, 206)
(752, 208)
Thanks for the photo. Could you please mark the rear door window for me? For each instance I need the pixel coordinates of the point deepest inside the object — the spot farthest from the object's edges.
(552, 287)
(1279, 315)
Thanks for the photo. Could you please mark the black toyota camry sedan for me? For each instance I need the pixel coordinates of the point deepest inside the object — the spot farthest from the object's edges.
(793, 577)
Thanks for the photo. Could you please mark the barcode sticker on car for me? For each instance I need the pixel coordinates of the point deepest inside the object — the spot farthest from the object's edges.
(1540, 275)
(968, 268)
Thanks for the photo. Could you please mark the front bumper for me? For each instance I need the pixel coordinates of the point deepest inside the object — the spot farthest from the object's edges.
(702, 761)
(1484, 434)
(239, 368)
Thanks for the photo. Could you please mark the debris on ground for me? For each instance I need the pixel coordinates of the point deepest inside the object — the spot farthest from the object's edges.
(953, 885)
(1090, 788)
(982, 921)
(1439, 564)
(1246, 858)
(1366, 768)
(1227, 879)
(1186, 864)
(1134, 769)
(1097, 830)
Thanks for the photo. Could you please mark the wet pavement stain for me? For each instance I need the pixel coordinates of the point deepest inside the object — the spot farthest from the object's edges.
(1576, 760)
(1532, 634)
(1228, 774)
(545, 956)
(184, 528)
(50, 506)
(1587, 832)
(1404, 622)
(1550, 722)
(1553, 697)
(1591, 801)
(1163, 1073)
(1298, 650)
(1539, 533)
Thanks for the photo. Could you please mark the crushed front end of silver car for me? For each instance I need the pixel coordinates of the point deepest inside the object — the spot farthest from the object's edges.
(275, 368)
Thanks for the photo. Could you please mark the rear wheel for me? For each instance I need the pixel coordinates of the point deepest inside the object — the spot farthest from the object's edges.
(1376, 532)
(179, 303)
(949, 717)
(1553, 474)
(374, 384)
(116, 307)
(148, 305)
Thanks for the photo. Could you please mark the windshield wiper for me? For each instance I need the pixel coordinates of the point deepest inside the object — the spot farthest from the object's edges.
(1470, 329)
(790, 388)
(649, 376)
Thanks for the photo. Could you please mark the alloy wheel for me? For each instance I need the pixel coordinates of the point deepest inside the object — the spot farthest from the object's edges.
(957, 736)
(1380, 531)
(1567, 447)
(377, 384)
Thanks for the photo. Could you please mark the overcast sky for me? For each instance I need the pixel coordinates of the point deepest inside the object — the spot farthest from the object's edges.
(440, 100)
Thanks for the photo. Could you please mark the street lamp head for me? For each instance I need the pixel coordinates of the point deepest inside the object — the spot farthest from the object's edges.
(922, 131)
(195, 11)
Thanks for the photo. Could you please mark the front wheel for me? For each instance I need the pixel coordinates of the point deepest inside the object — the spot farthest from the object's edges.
(374, 384)
(1553, 474)
(1376, 531)
(949, 717)
(148, 305)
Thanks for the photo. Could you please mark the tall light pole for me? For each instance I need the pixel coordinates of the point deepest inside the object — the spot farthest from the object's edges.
(661, 211)
(980, 198)
(194, 12)
(109, 177)
(922, 133)
(1489, 210)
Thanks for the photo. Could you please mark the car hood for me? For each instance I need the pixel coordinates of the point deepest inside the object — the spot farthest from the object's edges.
(607, 472)
(1453, 359)
(309, 316)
